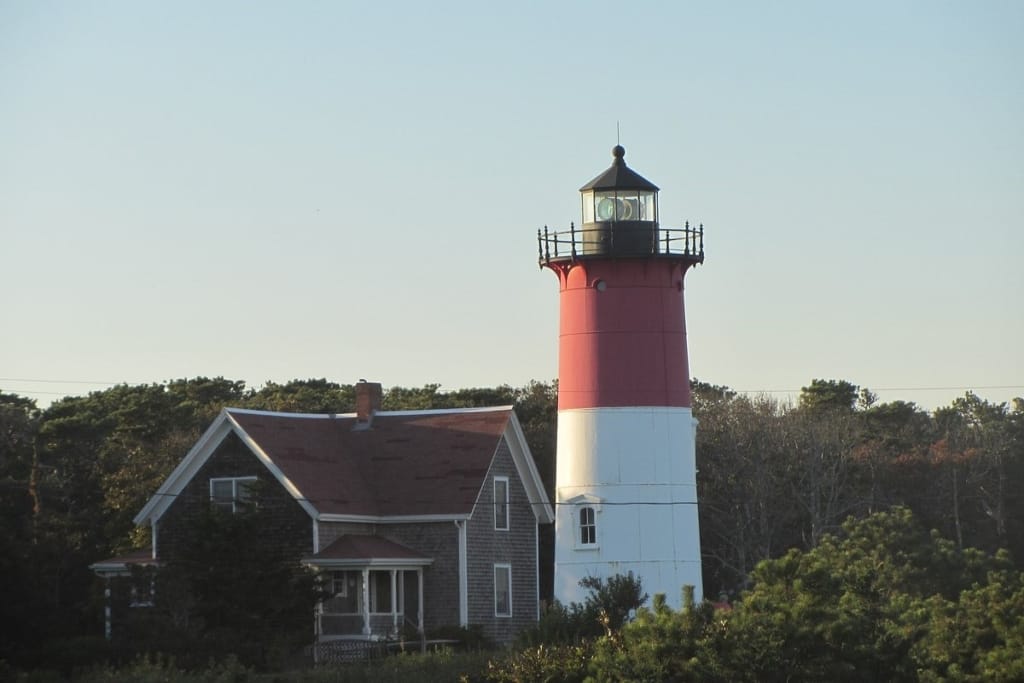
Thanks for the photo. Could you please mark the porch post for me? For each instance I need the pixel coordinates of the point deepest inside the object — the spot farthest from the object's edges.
(394, 604)
(318, 625)
(366, 601)
(419, 602)
(106, 607)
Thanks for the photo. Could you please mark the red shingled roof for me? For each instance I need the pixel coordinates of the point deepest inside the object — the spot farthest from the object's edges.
(407, 463)
(364, 547)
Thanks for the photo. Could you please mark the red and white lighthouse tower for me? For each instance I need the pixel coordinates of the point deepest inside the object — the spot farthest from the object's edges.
(626, 475)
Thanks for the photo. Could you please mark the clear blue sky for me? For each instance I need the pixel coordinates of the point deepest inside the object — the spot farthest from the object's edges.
(268, 191)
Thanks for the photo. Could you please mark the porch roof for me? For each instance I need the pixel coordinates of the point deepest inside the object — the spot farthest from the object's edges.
(364, 550)
(122, 564)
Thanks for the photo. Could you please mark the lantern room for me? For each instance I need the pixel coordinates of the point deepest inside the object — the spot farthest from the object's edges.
(619, 194)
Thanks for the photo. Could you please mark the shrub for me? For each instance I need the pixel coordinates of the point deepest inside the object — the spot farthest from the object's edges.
(564, 663)
(608, 606)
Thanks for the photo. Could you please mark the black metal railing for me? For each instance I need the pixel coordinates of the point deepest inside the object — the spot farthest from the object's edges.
(621, 239)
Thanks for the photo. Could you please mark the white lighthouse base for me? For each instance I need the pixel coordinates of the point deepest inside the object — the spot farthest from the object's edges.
(635, 468)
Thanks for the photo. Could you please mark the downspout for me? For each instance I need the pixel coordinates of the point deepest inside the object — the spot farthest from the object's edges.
(463, 575)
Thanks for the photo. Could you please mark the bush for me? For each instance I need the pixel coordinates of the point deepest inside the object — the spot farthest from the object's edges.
(608, 606)
(564, 663)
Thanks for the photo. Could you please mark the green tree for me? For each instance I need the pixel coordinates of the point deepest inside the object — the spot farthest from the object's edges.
(978, 637)
(662, 644)
(303, 396)
(227, 585)
(829, 394)
(19, 586)
(836, 612)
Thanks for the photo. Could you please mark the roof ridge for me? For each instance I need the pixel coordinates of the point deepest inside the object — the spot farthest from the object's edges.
(383, 413)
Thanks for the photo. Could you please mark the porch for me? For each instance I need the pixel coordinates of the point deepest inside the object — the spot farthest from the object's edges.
(376, 592)
(376, 604)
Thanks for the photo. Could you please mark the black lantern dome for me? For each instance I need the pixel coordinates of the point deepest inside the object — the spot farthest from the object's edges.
(620, 194)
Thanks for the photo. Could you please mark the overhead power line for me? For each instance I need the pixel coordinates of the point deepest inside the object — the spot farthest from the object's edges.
(57, 381)
(969, 387)
(739, 391)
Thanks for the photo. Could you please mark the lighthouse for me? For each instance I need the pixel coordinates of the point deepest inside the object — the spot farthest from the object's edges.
(626, 493)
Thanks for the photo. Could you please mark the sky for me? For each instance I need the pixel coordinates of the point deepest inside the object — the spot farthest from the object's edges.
(267, 191)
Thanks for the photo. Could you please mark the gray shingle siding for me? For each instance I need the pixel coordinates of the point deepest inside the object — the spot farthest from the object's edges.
(440, 541)
(517, 547)
(289, 525)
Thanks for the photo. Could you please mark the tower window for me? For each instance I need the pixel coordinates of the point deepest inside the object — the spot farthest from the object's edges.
(501, 503)
(588, 526)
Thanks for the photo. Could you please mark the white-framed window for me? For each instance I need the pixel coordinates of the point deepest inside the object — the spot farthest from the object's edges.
(503, 590)
(586, 508)
(340, 583)
(142, 587)
(231, 494)
(346, 593)
(501, 503)
(587, 517)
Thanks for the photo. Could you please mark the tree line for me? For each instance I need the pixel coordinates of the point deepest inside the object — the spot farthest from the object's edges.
(773, 477)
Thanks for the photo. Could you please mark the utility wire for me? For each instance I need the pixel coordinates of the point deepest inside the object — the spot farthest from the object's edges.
(739, 391)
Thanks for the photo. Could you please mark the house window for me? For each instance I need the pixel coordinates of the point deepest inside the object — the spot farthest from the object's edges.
(231, 494)
(502, 590)
(346, 593)
(501, 503)
(588, 526)
(141, 588)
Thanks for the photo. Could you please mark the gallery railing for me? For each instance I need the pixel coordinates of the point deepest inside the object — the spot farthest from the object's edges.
(626, 239)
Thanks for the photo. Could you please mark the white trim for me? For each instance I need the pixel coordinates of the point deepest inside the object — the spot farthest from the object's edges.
(505, 503)
(118, 568)
(316, 537)
(366, 601)
(274, 469)
(586, 499)
(197, 457)
(536, 568)
(394, 603)
(377, 562)
(419, 601)
(508, 567)
(385, 413)
(527, 470)
(185, 470)
(393, 519)
(463, 576)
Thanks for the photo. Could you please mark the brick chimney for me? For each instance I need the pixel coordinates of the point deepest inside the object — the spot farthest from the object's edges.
(368, 400)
